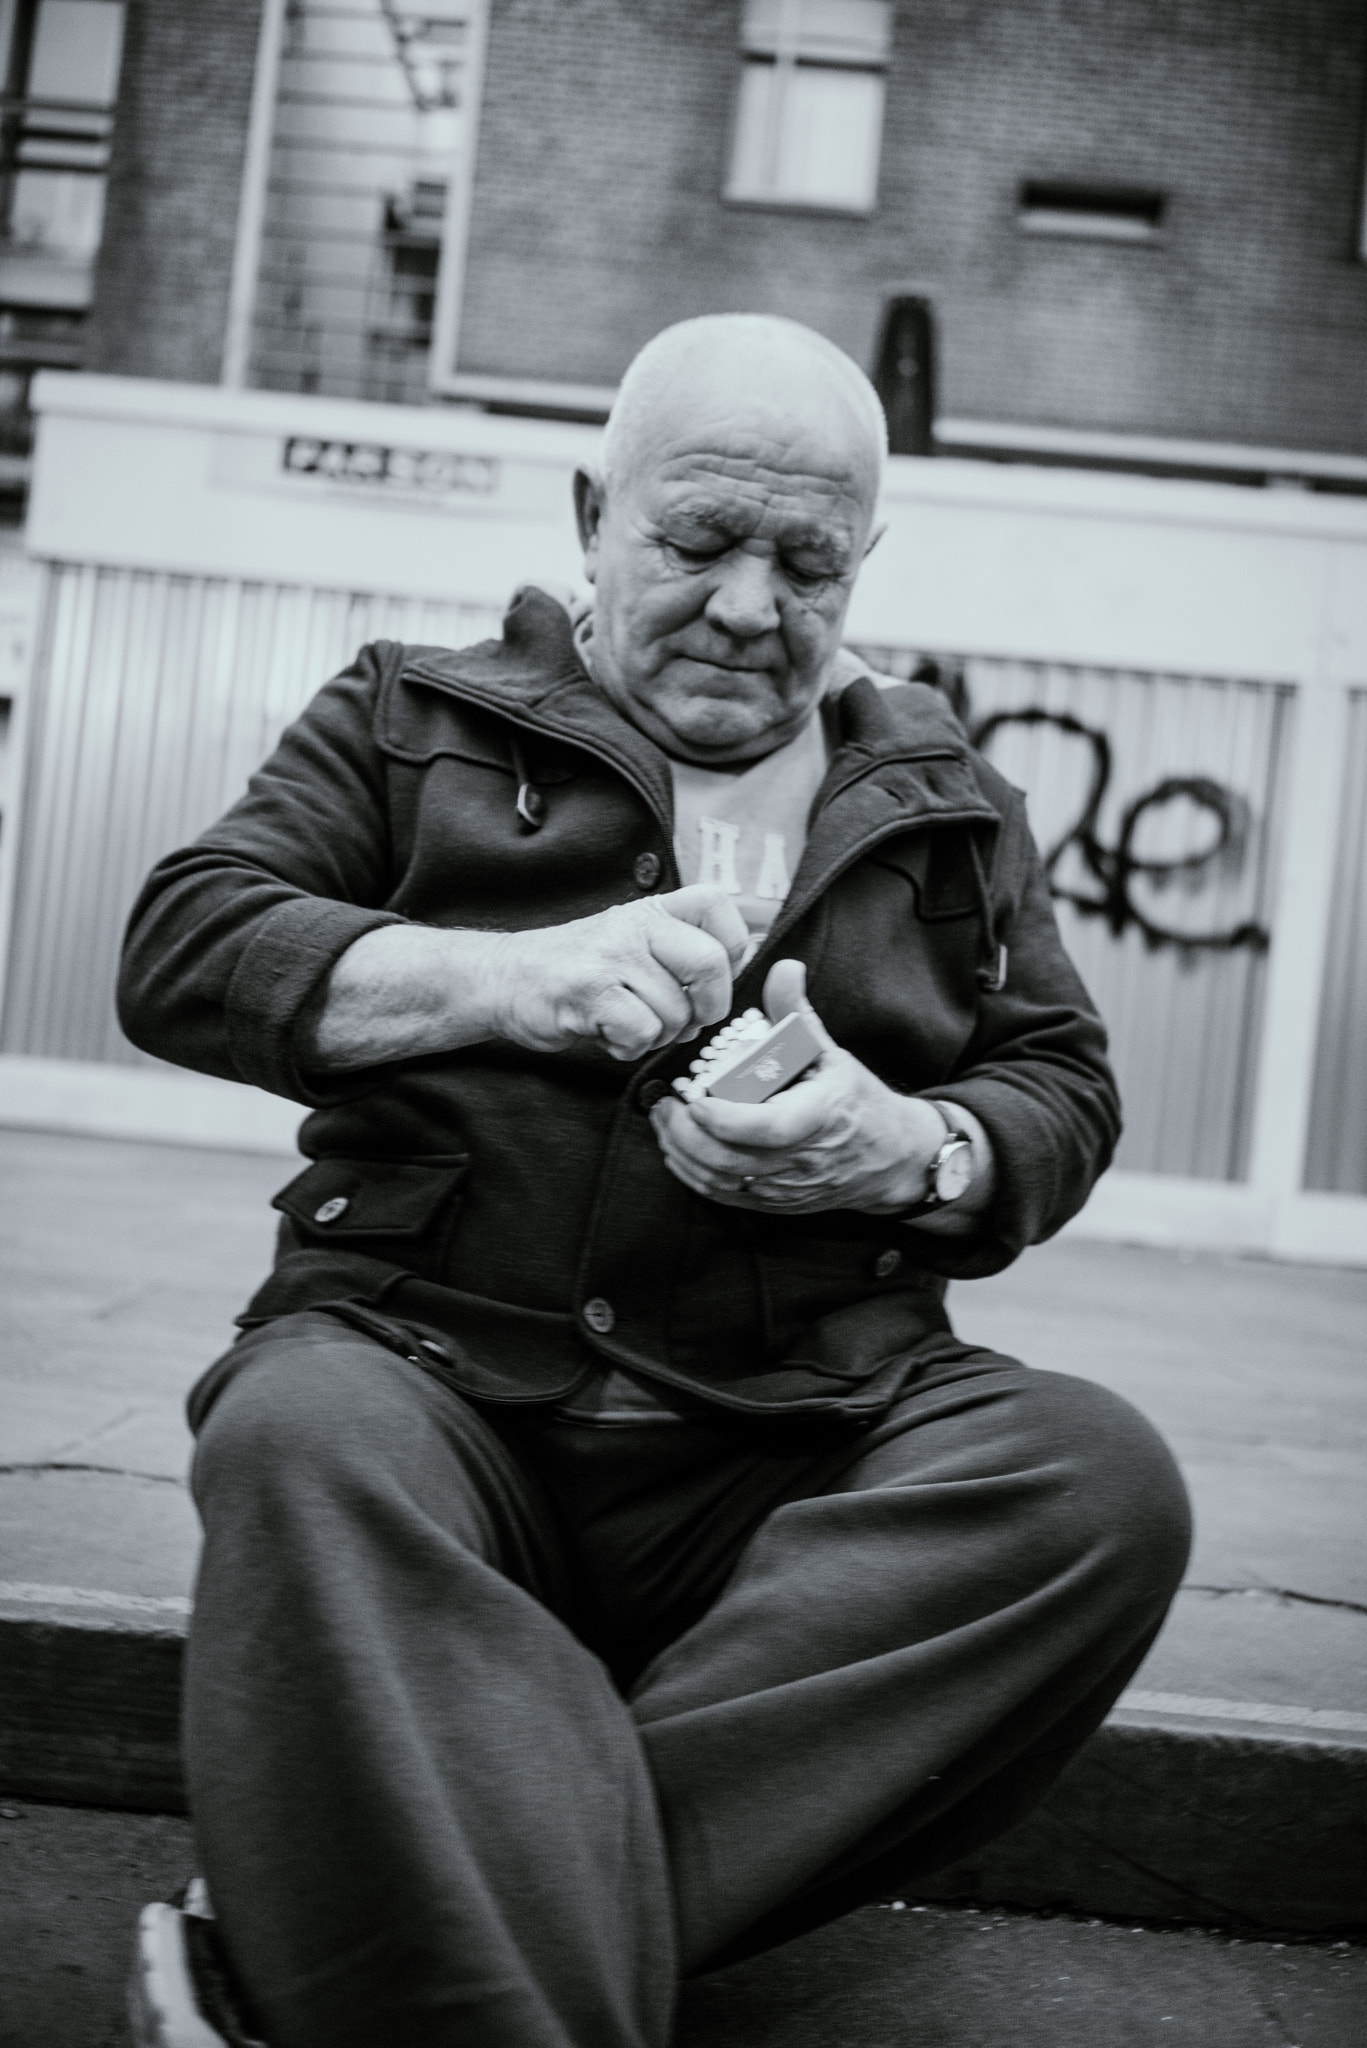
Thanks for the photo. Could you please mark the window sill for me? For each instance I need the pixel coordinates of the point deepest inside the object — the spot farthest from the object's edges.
(816, 208)
(1063, 227)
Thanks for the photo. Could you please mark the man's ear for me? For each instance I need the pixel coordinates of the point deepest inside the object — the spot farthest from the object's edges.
(590, 502)
(874, 539)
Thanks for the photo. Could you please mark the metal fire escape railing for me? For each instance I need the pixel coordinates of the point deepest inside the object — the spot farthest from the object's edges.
(430, 53)
(366, 127)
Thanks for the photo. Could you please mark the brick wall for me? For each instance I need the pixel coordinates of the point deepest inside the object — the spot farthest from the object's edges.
(161, 291)
(602, 153)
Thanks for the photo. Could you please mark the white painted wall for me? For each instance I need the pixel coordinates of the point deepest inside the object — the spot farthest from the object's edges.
(1048, 564)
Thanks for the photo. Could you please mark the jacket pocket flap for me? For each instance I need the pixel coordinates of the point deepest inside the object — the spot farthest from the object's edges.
(369, 1197)
(939, 866)
(420, 720)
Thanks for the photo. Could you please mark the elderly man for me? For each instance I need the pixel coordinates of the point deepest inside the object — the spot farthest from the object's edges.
(613, 1562)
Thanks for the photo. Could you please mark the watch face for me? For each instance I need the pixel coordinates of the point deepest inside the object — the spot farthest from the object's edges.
(954, 1171)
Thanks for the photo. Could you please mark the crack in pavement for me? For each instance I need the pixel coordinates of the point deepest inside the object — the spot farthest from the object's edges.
(1282, 1593)
(110, 1471)
(93, 1436)
(132, 1297)
(1068, 1824)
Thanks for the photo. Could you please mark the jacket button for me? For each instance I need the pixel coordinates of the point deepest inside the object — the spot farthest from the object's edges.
(647, 870)
(329, 1211)
(886, 1264)
(651, 1092)
(599, 1315)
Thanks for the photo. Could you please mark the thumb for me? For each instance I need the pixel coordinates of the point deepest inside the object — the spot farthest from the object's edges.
(711, 910)
(785, 990)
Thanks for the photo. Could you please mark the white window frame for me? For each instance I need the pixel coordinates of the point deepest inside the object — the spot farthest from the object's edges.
(443, 380)
(790, 36)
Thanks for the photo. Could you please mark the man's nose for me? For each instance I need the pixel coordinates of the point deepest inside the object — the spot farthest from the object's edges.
(743, 602)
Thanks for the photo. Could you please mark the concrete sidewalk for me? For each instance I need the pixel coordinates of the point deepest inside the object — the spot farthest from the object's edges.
(72, 1883)
(122, 1265)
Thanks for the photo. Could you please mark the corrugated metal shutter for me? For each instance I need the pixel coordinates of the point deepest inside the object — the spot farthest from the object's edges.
(1336, 1155)
(1183, 1019)
(155, 697)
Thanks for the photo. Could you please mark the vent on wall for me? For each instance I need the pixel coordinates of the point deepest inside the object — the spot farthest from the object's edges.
(1108, 213)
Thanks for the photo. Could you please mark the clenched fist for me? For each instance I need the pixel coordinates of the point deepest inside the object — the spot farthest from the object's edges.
(630, 979)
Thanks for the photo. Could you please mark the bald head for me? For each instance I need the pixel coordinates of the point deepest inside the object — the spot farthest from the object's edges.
(724, 534)
(790, 378)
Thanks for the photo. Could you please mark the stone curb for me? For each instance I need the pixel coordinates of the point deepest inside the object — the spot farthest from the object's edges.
(1155, 1820)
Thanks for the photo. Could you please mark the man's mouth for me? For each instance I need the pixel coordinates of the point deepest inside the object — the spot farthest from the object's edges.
(729, 668)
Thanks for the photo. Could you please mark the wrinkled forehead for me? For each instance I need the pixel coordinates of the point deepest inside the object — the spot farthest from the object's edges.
(700, 501)
(804, 455)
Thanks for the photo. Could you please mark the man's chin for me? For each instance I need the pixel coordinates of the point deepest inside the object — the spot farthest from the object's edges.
(710, 722)
(716, 742)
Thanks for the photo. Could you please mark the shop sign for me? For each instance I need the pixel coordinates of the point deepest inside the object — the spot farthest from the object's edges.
(430, 472)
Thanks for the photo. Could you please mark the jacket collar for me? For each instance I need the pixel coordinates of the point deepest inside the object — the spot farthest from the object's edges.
(899, 757)
(901, 763)
(535, 677)
(900, 760)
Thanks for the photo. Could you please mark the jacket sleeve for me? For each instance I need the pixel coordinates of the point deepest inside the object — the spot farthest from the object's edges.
(231, 936)
(1034, 1073)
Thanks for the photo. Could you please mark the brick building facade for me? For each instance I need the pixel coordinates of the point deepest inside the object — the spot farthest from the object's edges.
(598, 212)
(175, 174)
(1235, 309)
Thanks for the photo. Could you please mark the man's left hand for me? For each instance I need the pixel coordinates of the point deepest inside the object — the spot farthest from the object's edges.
(838, 1139)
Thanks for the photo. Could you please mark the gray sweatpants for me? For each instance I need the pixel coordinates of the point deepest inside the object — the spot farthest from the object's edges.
(497, 1724)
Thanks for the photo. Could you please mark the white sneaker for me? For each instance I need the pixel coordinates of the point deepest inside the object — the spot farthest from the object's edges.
(180, 1994)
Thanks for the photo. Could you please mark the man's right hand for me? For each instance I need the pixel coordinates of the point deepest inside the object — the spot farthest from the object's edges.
(629, 979)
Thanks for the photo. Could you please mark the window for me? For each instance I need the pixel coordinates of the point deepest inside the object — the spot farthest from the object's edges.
(1098, 213)
(60, 64)
(61, 76)
(809, 119)
(364, 146)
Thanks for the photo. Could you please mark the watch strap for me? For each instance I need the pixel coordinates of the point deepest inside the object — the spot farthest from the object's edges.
(932, 1199)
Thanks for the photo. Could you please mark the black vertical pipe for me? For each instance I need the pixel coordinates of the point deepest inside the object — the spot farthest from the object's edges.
(904, 375)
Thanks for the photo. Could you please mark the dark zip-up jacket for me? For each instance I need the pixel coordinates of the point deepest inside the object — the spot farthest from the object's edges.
(513, 1206)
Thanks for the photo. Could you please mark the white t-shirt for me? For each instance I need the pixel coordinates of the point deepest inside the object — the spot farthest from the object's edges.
(744, 828)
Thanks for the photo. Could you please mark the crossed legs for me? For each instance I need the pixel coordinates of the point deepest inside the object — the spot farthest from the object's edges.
(427, 1812)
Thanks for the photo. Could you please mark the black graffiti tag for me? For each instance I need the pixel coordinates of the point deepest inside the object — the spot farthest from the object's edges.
(1114, 868)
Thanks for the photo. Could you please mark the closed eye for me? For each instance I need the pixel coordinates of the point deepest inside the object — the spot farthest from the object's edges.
(799, 573)
(695, 558)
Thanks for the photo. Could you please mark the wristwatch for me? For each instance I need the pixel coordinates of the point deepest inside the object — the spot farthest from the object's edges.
(950, 1171)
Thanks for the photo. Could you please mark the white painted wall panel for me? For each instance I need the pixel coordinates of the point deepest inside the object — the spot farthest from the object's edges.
(1060, 565)
(1183, 1021)
(157, 696)
(1336, 1156)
